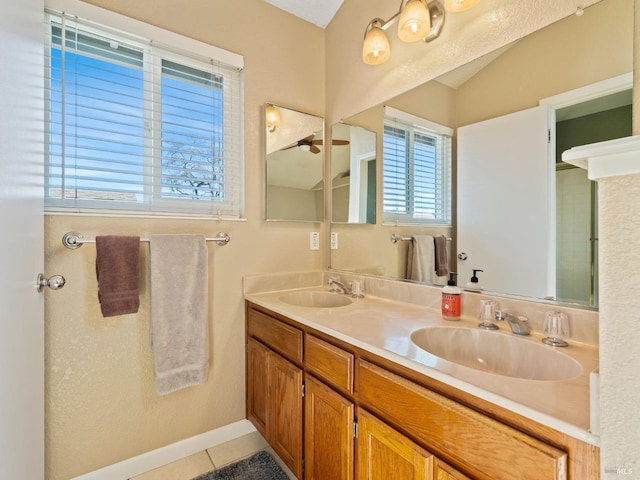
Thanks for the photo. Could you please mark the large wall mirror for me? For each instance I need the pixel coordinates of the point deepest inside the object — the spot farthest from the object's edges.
(590, 56)
(294, 183)
(353, 174)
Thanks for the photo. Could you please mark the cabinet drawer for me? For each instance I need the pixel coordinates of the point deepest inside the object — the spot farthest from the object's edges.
(328, 362)
(281, 337)
(485, 447)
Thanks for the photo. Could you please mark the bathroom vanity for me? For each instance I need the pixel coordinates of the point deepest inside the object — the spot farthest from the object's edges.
(341, 392)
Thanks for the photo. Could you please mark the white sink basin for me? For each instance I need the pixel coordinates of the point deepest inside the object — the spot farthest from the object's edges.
(316, 299)
(497, 353)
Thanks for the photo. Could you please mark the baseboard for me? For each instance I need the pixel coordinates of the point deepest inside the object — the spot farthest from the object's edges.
(162, 456)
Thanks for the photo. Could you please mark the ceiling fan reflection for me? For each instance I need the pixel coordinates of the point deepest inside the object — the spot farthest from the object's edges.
(308, 144)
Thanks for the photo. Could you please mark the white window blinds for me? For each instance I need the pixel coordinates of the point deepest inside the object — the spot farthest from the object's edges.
(139, 127)
(416, 170)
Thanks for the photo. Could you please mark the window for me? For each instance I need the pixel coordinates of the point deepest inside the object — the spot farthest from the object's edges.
(139, 127)
(416, 170)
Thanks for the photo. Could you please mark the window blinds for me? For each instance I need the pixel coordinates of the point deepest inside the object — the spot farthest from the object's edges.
(416, 170)
(139, 127)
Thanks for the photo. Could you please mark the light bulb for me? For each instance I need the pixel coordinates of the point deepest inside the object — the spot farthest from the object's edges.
(272, 116)
(415, 22)
(375, 49)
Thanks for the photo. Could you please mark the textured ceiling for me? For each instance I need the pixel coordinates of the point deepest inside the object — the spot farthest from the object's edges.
(318, 12)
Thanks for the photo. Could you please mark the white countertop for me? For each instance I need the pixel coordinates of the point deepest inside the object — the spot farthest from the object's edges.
(383, 327)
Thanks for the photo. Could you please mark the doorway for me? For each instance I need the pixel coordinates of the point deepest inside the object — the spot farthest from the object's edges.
(592, 114)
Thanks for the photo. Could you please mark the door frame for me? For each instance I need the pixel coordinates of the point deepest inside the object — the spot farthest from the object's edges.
(571, 98)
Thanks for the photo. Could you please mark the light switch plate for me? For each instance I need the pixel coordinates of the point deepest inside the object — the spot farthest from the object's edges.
(334, 240)
(314, 241)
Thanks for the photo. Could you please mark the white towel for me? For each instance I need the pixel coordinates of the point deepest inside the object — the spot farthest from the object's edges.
(421, 261)
(179, 324)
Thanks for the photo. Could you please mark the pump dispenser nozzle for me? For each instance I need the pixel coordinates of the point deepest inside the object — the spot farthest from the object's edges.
(474, 284)
(452, 280)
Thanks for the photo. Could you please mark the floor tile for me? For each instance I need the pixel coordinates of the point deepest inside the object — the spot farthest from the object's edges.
(183, 469)
(236, 449)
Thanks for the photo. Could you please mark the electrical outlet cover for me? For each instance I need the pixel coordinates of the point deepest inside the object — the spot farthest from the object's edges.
(314, 241)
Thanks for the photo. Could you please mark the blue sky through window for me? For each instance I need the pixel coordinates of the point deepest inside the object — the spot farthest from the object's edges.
(108, 118)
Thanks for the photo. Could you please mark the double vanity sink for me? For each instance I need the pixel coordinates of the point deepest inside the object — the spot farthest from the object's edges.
(546, 384)
(492, 352)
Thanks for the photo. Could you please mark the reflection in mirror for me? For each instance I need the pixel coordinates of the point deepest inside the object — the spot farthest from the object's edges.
(293, 165)
(353, 174)
(570, 56)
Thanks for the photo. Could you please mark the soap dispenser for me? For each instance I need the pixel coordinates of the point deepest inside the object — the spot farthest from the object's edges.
(474, 284)
(451, 299)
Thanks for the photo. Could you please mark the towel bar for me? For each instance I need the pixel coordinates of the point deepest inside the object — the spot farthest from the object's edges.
(395, 238)
(74, 240)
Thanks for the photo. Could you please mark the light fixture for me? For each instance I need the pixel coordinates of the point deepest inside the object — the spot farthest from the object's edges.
(272, 116)
(417, 20)
(414, 23)
(455, 6)
(375, 49)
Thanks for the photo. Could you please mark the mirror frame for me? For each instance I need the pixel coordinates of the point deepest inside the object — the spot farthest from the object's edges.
(307, 131)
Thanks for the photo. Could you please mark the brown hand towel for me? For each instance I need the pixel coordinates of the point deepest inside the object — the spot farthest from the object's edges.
(117, 269)
(441, 257)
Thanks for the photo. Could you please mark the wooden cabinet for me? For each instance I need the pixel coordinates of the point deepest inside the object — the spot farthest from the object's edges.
(274, 402)
(383, 453)
(332, 364)
(406, 430)
(257, 385)
(328, 429)
(284, 426)
(442, 471)
(486, 447)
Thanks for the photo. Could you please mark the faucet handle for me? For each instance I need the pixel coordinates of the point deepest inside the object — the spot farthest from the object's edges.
(500, 315)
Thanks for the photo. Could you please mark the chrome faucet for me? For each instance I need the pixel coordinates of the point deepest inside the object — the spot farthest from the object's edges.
(519, 325)
(336, 283)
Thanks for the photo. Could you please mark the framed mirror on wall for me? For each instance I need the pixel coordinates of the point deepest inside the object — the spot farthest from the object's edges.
(574, 54)
(294, 158)
(353, 174)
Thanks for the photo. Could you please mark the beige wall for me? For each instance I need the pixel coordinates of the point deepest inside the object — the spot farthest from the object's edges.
(570, 54)
(353, 86)
(287, 203)
(101, 405)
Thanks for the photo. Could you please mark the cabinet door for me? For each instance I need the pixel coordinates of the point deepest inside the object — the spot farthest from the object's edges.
(328, 433)
(383, 453)
(257, 385)
(284, 425)
(442, 471)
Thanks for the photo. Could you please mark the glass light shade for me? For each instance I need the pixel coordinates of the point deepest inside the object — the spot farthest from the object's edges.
(415, 22)
(272, 118)
(455, 6)
(376, 49)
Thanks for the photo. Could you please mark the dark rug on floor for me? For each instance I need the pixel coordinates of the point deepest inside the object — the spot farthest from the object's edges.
(260, 466)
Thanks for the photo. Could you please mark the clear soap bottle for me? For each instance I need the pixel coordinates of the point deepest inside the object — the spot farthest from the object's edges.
(451, 299)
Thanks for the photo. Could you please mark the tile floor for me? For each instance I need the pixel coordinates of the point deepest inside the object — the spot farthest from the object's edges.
(213, 458)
